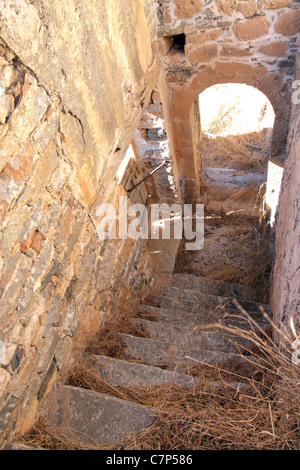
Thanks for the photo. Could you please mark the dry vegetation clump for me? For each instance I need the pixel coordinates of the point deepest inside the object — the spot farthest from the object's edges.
(242, 152)
(109, 342)
(236, 249)
(254, 237)
(264, 416)
(227, 140)
(262, 413)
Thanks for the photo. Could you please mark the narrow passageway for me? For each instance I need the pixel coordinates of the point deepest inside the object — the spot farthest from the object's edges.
(237, 122)
(149, 232)
(164, 374)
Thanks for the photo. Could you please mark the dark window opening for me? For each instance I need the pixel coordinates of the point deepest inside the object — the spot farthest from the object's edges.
(178, 43)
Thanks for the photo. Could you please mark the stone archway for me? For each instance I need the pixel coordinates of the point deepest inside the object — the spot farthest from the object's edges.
(182, 111)
(237, 123)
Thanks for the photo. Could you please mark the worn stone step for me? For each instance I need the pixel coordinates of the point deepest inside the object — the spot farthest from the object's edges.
(153, 375)
(191, 337)
(164, 354)
(212, 286)
(19, 446)
(227, 318)
(93, 418)
(197, 301)
(118, 372)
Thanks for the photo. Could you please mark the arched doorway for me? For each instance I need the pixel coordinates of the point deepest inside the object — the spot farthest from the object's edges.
(237, 123)
(182, 111)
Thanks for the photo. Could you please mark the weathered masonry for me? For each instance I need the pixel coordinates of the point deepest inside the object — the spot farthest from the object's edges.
(93, 96)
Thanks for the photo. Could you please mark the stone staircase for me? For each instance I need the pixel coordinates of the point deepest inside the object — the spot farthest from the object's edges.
(190, 324)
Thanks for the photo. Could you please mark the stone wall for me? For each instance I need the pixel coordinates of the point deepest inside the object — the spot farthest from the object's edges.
(226, 41)
(285, 292)
(74, 81)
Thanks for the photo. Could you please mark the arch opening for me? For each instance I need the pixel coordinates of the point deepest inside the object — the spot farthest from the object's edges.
(237, 123)
(236, 132)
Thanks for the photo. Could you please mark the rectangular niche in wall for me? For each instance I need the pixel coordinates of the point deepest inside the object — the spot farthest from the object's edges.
(178, 43)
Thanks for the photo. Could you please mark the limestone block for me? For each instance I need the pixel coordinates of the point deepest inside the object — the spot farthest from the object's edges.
(226, 6)
(239, 72)
(251, 29)
(276, 4)
(248, 7)
(234, 51)
(203, 37)
(275, 49)
(203, 53)
(288, 23)
(185, 10)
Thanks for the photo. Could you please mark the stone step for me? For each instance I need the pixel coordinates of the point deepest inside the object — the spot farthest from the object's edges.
(212, 286)
(19, 446)
(198, 301)
(164, 354)
(122, 373)
(227, 318)
(93, 418)
(191, 337)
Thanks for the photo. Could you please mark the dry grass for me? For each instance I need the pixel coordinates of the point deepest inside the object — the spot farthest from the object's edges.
(239, 248)
(253, 195)
(264, 416)
(254, 237)
(109, 341)
(244, 152)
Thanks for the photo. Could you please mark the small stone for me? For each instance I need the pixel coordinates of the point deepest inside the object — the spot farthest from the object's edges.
(7, 352)
(8, 76)
(62, 351)
(17, 358)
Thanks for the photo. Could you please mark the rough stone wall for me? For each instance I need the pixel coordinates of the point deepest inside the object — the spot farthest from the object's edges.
(286, 285)
(226, 41)
(74, 77)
